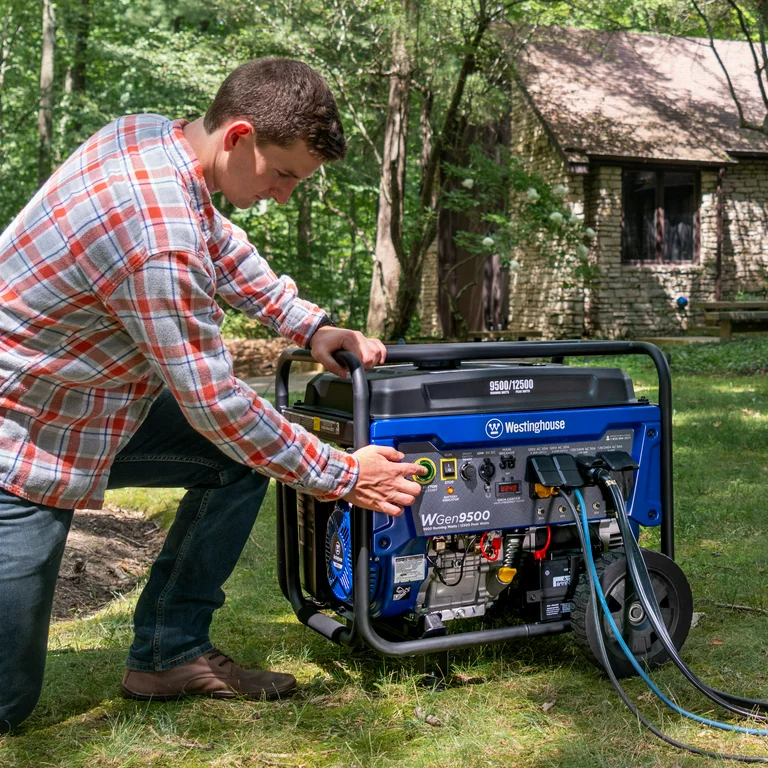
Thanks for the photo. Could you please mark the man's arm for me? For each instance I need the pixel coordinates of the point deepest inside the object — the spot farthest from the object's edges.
(167, 306)
(246, 282)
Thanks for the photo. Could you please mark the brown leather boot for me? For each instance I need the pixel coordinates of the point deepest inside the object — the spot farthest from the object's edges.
(213, 674)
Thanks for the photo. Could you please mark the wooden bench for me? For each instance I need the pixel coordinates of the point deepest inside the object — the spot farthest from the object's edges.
(734, 316)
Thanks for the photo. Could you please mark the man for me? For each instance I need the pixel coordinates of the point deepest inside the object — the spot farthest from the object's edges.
(113, 372)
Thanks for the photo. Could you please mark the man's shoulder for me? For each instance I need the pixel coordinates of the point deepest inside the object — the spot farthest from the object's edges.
(161, 183)
(129, 152)
(134, 177)
(123, 196)
(134, 149)
(125, 136)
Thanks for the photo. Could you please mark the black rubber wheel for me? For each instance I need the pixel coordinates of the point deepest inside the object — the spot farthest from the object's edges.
(673, 594)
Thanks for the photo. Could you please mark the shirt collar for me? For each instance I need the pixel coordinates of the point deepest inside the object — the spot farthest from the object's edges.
(192, 172)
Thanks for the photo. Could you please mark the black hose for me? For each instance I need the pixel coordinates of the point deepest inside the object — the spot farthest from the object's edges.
(645, 592)
(607, 664)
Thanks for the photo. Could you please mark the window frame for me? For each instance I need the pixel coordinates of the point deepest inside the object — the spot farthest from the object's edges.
(659, 170)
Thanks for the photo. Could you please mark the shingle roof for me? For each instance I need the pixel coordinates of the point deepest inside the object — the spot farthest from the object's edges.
(642, 96)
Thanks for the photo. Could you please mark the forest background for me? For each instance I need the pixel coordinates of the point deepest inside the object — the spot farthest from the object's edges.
(412, 78)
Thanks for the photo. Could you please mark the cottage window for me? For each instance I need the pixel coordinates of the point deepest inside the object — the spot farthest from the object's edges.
(660, 215)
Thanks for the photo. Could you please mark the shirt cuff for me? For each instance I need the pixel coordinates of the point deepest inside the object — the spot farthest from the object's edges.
(348, 472)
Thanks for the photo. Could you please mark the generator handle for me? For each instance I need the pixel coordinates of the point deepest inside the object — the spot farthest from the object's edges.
(286, 513)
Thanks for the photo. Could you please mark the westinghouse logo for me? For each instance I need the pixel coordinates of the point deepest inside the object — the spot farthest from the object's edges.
(495, 428)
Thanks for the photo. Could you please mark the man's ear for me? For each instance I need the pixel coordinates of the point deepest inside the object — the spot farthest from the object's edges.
(236, 130)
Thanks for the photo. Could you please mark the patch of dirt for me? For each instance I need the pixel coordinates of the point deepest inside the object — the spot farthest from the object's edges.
(107, 552)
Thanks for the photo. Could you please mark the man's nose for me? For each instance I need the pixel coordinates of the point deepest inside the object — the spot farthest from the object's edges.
(281, 191)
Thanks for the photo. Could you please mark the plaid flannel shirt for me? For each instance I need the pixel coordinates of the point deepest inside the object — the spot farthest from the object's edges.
(107, 285)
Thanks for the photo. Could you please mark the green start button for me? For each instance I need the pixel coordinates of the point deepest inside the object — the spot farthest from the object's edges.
(427, 478)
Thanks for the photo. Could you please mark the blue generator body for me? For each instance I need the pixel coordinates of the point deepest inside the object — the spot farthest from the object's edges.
(486, 535)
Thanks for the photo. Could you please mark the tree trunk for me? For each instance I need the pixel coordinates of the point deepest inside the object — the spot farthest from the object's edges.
(78, 71)
(409, 287)
(388, 256)
(75, 77)
(473, 289)
(303, 240)
(45, 113)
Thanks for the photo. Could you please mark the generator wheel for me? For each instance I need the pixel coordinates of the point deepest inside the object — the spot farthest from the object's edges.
(673, 594)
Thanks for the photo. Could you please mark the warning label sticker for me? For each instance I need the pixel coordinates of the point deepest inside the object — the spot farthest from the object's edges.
(326, 425)
(314, 423)
(410, 568)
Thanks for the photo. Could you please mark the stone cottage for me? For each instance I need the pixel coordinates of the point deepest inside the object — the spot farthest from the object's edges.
(643, 132)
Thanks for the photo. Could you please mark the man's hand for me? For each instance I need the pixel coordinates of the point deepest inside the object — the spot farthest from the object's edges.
(327, 340)
(383, 482)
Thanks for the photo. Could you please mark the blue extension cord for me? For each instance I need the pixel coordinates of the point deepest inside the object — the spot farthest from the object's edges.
(630, 656)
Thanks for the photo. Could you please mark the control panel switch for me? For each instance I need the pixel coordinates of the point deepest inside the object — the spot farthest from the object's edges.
(448, 469)
(487, 470)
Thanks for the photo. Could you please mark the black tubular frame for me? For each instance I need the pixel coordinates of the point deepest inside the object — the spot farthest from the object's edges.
(361, 627)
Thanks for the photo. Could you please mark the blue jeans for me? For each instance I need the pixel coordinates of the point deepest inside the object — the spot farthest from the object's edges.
(174, 611)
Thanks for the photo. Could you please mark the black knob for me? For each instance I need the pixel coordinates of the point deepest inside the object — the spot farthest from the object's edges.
(487, 470)
(468, 471)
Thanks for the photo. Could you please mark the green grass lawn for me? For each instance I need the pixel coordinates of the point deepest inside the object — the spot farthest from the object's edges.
(355, 709)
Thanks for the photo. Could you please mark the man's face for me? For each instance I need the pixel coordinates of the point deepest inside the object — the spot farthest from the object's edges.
(248, 173)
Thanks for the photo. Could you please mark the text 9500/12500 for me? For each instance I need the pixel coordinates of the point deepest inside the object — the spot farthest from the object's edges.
(510, 386)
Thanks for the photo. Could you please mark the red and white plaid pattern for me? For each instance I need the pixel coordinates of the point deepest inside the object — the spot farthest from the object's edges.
(107, 285)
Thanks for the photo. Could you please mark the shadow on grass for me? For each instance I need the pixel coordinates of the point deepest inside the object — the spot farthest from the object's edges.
(355, 708)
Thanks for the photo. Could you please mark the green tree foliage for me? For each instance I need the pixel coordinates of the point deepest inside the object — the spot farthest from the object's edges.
(532, 212)
(169, 58)
(19, 96)
(116, 57)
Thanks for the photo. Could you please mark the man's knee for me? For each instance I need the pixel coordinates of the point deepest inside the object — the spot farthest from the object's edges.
(15, 712)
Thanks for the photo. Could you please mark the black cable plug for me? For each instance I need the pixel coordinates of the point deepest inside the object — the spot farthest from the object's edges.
(592, 468)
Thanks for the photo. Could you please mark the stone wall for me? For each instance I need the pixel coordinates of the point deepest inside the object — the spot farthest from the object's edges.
(745, 224)
(634, 300)
(538, 301)
(256, 357)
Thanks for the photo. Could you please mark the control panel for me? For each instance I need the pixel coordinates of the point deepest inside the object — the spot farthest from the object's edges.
(485, 489)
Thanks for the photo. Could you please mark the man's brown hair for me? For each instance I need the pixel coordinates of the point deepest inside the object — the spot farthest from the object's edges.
(284, 100)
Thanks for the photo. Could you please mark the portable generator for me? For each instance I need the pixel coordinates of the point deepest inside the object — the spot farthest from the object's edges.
(489, 551)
